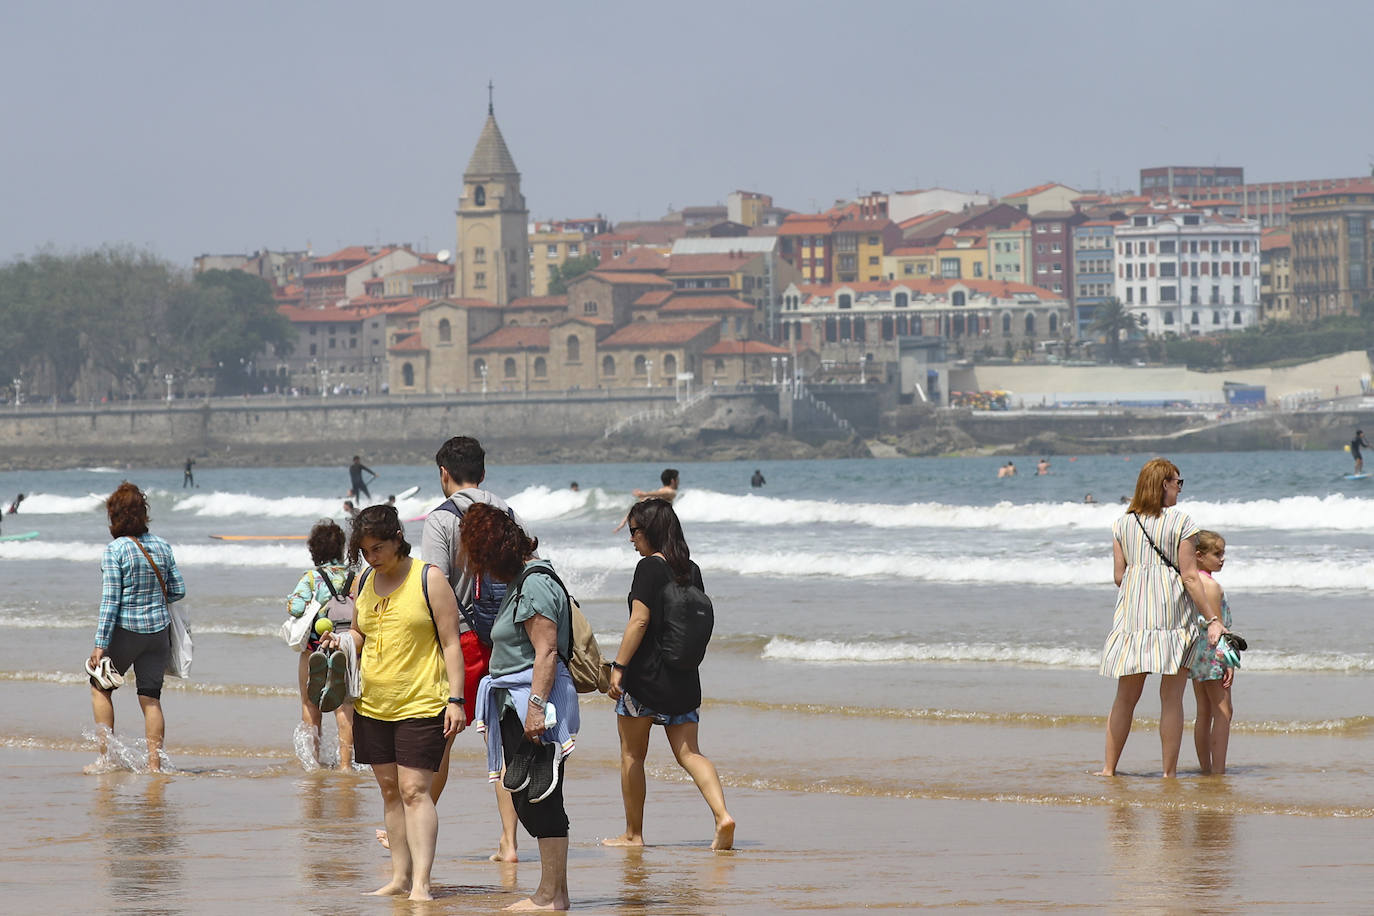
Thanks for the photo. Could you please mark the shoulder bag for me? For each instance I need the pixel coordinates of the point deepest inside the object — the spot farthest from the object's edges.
(295, 631)
(179, 658)
(1167, 562)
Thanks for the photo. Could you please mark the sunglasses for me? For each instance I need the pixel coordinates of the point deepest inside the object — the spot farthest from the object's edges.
(634, 531)
(1179, 481)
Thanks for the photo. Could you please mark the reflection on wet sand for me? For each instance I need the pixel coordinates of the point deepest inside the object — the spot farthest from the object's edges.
(329, 828)
(652, 878)
(144, 848)
(1176, 856)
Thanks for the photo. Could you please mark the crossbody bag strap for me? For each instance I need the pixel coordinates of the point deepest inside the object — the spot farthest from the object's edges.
(1167, 562)
(547, 571)
(149, 557)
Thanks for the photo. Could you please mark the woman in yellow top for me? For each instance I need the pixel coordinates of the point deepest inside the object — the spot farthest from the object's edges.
(406, 623)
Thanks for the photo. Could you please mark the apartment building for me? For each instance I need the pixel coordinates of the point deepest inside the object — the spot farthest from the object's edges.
(1094, 272)
(1332, 231)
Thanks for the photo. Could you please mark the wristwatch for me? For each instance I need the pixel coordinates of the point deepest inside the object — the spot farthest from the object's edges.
(537, 701)
(618, 666)
(459, 700)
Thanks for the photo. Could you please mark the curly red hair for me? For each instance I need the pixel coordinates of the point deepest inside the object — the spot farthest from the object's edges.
(494, 544)
(128, 509)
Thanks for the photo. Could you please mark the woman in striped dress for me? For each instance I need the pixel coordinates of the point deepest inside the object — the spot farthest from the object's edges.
(1153, 624)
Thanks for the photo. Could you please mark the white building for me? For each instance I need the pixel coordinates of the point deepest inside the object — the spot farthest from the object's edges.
(1189, 272)
(904, 205)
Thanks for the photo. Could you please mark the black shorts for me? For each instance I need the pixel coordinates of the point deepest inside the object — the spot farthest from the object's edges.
(147, 652)
(548, 818)
(415, 743)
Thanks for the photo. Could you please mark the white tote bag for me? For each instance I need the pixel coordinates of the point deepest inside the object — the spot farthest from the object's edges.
(179, 659)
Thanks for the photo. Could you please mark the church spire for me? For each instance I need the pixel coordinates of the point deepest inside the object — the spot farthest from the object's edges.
(491, 103)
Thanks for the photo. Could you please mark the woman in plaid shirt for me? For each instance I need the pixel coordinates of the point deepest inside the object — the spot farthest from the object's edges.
(134, 627)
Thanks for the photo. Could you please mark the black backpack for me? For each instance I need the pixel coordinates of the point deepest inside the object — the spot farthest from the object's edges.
(487, 593)
(684, 628)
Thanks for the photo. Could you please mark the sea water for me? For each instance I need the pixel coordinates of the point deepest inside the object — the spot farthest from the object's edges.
(894, 629)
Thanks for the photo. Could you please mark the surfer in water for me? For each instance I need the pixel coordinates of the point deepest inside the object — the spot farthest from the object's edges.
(1355, 445)
(355, 475)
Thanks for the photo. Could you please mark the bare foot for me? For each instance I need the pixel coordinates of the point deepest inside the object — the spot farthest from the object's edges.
(528, 904)
(421, 894)
(390, 889)
(1103, 773)
(626, 839)
(383, 839)
(725, 834)
(100, 765)
(505, 850)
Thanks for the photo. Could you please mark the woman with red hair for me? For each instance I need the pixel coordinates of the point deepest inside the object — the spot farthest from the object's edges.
(139, 579)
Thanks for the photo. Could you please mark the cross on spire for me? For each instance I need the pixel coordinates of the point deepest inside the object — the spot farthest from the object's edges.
(491, 105)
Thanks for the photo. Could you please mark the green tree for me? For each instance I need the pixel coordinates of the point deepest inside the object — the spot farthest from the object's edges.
(560, 274)
(1111, 319)
(231, 317)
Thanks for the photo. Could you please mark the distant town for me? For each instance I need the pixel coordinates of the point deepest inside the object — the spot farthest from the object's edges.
(884, 289)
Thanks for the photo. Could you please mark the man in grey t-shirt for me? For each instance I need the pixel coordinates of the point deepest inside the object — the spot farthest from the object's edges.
(462, 468)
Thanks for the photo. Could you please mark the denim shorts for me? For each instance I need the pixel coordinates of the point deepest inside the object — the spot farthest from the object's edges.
(630, 707)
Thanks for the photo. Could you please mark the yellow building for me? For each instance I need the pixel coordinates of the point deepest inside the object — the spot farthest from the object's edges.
(963, 256)
(550, 249)
(1276, 275)
(910, 263)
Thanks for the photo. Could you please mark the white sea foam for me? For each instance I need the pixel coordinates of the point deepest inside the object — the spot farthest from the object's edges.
(1293, 513)
(540, 503)
(50, 504)
(782, 648)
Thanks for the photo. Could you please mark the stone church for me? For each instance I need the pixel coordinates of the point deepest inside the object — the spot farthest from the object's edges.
(624, 327)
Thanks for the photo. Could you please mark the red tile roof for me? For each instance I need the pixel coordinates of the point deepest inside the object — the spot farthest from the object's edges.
(644, 260)
(1357, 187)
(680, 304)
(1038, 189)
(1276, 238)
(628, 277)
(725, 263)
(515, 337)
(297, 315)
(654, 297)
(351, 253)
(427, 267)
(657, 333)
(913, 251)
(539, 302)
(807, 224)
(411, 343)
(744, 348)
(922, 218)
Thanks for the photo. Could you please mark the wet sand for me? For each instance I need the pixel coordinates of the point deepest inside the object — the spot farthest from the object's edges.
(225, 837)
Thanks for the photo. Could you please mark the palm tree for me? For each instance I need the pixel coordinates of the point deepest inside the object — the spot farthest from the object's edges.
(1111, 318)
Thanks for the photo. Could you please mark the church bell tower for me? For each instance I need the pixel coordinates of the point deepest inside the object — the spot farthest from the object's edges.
(493, 260)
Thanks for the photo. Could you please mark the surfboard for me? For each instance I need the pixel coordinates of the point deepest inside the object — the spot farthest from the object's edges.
(408, 492)
(1356, 476)
(259, 537)
(26, 536)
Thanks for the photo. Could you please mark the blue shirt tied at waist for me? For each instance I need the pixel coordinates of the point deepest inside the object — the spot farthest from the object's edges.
(514, 690)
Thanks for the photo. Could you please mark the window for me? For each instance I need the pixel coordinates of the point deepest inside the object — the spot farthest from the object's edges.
(589, 308)
(1169, 317)
(1235, 295)
(1216, 317)
(479, 280)
(479, 255)
(1056, 248)
(479, 367)
(846, 328)
(508, 368)
(408, 375)
(886, 329)
(1130, 295)
(1166, 246)
(872, 261)
(608, 365)
(541, 367)
(949, 268)
(831, 330)
(1167, 269)
(551, 251)
(1006, 325)
(900, 300)
(1195, 319)
(1144, 295)
(846, 301)
(1040, 248)
(1054, 324)
(574, 250)
(1235, 319)
(312, 347)
(332, 342)
(956, 297)
(445, 331)
(908, 269)
(1030, 324)
(669, 365)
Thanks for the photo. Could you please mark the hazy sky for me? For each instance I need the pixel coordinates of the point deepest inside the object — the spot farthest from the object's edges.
(191, 127)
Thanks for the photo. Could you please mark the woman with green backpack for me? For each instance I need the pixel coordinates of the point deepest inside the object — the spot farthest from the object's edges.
(655, 678)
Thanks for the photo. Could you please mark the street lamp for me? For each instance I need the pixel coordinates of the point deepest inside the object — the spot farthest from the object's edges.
(483, 370)
(324, 383)
(648, 373)
(168, 379)
(773, 361)
(18, 387)
(785, 376)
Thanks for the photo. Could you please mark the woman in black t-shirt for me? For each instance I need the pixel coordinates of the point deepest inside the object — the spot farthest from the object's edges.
(649, 692)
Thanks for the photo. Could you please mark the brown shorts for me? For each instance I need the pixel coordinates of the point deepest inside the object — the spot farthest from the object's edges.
(414, 743)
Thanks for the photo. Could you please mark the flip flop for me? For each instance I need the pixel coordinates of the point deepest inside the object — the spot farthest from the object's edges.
(104, 674)
(318, 665)
(335, 682)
